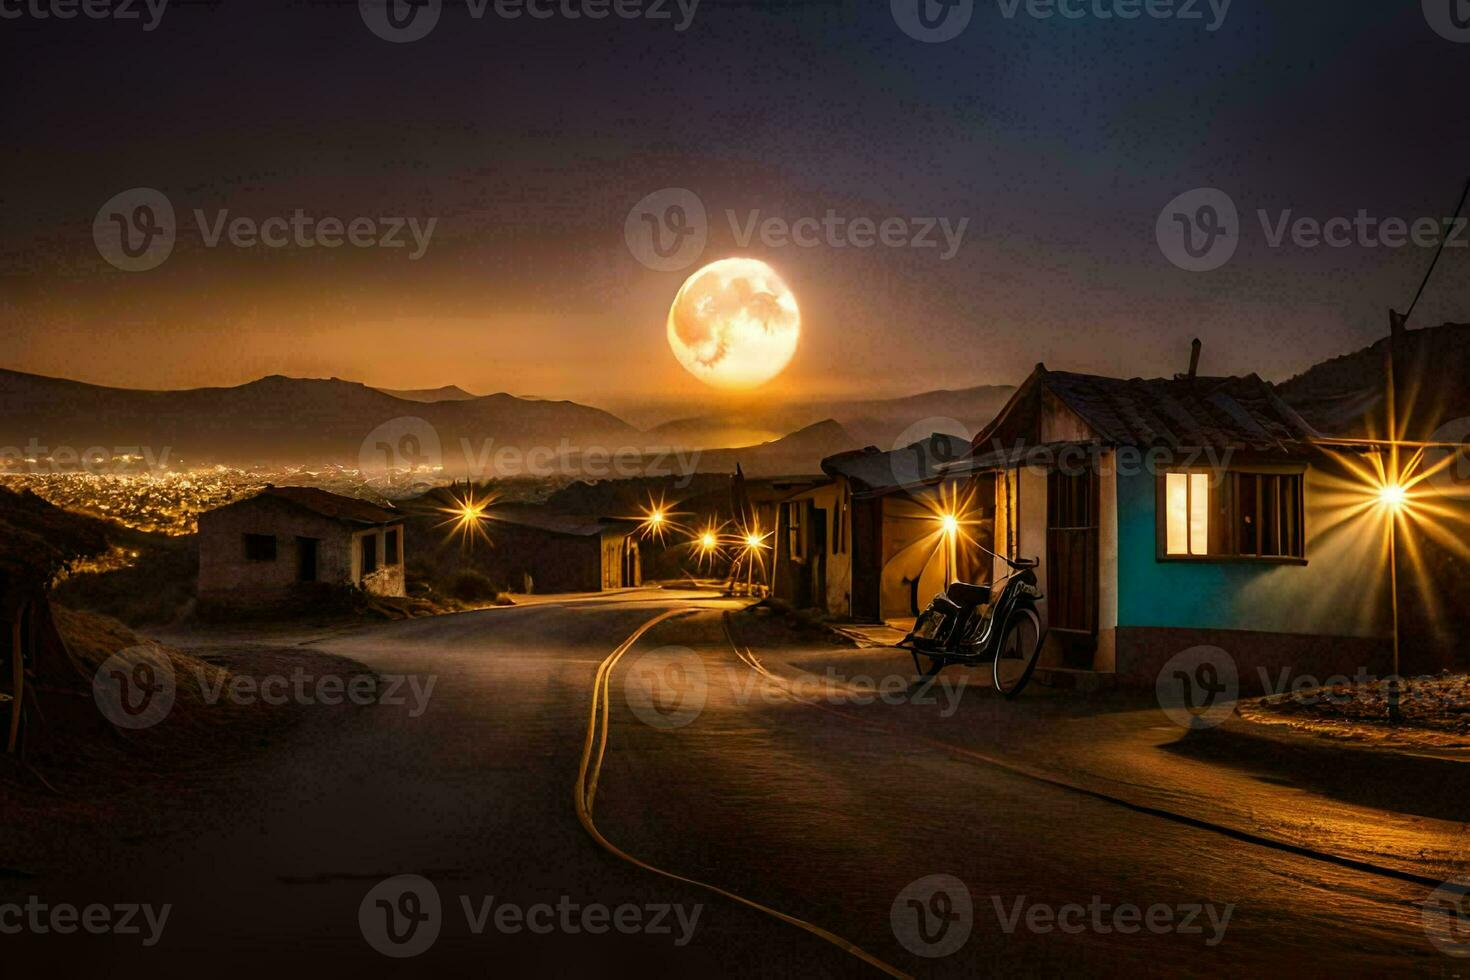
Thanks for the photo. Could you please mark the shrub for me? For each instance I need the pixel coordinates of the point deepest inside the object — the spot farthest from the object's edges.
(469, 585)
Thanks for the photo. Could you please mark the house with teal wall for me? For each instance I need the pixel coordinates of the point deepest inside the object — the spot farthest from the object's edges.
(1174, 514)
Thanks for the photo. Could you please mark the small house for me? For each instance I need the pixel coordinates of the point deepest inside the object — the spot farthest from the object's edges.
(280, 542)
(542, 551)
(867, 542)
(1192, 511)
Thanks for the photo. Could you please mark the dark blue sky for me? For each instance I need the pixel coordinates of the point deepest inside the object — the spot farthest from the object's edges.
(1058, 140)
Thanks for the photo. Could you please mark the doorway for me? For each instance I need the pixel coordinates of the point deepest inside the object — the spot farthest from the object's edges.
(306, 557)
(1072, 554)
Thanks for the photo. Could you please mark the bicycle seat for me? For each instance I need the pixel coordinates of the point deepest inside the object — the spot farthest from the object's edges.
(964, 594)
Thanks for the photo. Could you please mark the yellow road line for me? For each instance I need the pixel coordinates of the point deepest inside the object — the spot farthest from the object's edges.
(584, 793)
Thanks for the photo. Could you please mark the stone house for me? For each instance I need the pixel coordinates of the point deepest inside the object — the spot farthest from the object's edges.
(275, 545)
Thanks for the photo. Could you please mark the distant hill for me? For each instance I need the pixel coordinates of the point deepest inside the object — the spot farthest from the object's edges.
(447, 393)
(278, 420)
(1345, 395)
(880, 422)
(798, 454)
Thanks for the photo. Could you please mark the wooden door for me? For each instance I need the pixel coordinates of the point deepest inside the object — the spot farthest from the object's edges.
(867, 557)
(1072, 552)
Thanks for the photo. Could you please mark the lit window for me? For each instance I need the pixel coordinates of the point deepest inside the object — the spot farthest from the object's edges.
(1233, 515)
(1187, 503)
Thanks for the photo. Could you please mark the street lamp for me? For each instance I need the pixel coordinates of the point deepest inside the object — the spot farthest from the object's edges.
(466, 516)
(754, 542)
(1393, 496)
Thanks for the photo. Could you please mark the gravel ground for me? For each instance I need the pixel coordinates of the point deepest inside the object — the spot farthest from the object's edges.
(1436, 711)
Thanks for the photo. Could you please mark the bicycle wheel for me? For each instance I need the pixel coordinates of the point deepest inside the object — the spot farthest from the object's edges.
(1020, 648)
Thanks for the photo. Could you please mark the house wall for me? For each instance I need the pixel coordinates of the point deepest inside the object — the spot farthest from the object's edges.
(809, 581)
(839, 545)
(224, 571)
(1021, 521)
(913, 554)
(1327, 616)
(556, 562)
(615, 552)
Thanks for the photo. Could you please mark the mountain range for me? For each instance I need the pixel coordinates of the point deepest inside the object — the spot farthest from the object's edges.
(281, 421)
(278, 421)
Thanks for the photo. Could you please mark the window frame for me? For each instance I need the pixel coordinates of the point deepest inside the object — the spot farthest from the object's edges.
(249, 537)
(796, 542)
(1161, 515)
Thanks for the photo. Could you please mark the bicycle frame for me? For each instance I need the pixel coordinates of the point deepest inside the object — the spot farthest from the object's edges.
(973, 642)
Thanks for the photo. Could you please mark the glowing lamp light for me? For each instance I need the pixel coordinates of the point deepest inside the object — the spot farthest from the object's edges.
(707, 542)
(949, 523)
(752, 541)
(1393, 496)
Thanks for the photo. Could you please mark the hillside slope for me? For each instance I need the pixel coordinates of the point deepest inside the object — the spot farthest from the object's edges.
(1344, 396)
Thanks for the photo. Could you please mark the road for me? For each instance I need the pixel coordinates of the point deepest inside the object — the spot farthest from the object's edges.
(765, 834)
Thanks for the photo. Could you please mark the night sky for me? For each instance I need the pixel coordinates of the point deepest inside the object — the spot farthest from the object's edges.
(1058, 140)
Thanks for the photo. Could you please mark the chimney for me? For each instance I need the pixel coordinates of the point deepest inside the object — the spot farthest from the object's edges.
(1194, 349)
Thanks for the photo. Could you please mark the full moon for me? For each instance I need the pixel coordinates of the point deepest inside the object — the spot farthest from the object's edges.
(734, 324)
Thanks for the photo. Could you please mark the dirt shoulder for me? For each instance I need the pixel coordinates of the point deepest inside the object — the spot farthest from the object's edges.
(1436, 715)
(81, 770)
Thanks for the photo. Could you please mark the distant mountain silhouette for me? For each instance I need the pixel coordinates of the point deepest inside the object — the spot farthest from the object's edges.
(279, 420)
(880, 422)
(447, 393)
(316, 422)
(798, 454)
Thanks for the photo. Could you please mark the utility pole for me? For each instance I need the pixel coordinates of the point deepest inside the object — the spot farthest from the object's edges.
(1396, 329)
